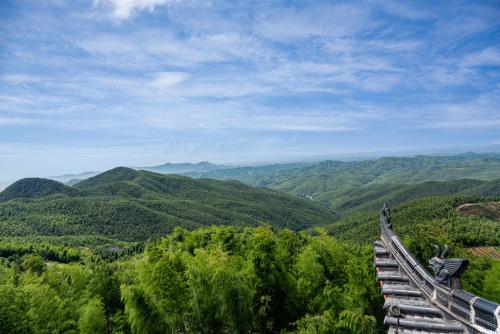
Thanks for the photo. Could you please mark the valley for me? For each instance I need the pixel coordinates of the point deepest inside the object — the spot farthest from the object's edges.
(270, 248)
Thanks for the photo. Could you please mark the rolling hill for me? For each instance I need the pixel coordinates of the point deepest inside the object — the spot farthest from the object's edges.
(131, 205)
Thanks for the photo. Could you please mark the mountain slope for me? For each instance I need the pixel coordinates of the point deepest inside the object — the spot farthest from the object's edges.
(136, 205)
(369, 198)
(261, 176)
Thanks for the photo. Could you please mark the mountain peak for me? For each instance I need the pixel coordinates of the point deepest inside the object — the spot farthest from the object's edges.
(113, 175)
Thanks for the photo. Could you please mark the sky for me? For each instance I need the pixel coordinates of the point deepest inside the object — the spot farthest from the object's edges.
(90, 85)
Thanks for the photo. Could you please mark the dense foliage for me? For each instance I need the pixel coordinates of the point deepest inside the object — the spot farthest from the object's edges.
(67, 248)
(427, 213)
(212, 280)
(136, 205)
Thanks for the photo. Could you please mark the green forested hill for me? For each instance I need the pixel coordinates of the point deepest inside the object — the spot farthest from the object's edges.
(136, 205)
(35, 187)
(336, 177)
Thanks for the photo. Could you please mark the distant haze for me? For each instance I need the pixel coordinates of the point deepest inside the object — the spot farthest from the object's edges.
(205, 168)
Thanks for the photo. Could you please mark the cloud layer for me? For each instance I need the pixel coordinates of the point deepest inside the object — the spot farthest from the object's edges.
(260, 78)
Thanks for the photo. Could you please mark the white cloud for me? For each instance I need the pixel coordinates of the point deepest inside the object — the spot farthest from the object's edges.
(165, 80)
(123, 9)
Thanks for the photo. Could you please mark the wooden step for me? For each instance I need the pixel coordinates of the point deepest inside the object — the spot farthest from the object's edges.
(395, 276)
(424, 324)
(380, 251)
(385, 263)
(400, 290)
(411, 307)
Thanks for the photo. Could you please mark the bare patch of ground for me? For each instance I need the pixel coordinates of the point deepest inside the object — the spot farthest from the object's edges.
(490, 210)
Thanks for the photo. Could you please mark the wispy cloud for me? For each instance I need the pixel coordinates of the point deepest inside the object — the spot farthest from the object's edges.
(286, 24)
(17, 79)
(247, 116)
(406, 10)
(152, 48)
(482, 112)
(486, 57)
(8, 121)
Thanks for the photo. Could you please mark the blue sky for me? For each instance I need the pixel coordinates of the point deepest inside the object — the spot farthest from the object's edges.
(89, 85)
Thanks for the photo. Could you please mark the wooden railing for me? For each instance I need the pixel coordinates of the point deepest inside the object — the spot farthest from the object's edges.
(477, 314)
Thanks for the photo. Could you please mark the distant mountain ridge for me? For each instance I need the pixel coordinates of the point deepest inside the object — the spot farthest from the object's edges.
(328, 180)
(182, 168)
(166, 168)
(69, 178)
(310, 178)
